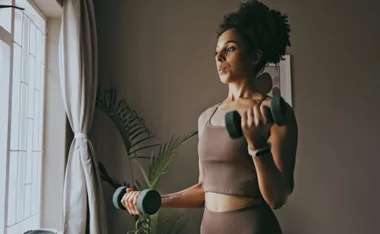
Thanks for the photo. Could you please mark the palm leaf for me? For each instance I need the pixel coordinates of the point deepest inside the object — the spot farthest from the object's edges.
(164, 157)
(136, 138)
(131, 127)
(139, 186)
(141, 148)
(144, 174)
(168, 221)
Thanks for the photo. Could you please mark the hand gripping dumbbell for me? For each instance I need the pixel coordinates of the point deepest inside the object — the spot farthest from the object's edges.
(148, 202)
(275, 114)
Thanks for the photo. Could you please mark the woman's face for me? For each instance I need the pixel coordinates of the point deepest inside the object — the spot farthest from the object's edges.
(233, 61)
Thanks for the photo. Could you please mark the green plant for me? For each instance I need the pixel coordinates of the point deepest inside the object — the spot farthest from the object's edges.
(138, 140)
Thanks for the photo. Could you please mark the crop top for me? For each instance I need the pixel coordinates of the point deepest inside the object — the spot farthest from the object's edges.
(227, 166)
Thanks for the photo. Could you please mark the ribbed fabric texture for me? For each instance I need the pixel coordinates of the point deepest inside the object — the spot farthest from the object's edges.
(228, 167)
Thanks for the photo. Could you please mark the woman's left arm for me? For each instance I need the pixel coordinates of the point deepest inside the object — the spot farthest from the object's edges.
(275, 169)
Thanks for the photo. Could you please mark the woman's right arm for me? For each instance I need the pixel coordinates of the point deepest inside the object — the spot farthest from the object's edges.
(192, 197)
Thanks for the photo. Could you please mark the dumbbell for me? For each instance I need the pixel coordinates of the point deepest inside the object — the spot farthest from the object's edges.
(275, 114)
(148, 202)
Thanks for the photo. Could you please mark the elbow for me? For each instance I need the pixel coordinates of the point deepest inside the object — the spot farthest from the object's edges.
(279, 202)
(275, 205)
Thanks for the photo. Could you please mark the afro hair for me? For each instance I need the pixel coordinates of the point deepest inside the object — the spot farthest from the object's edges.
(262, 28)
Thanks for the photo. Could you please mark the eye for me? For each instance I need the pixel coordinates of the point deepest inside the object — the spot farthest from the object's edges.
(230, 48)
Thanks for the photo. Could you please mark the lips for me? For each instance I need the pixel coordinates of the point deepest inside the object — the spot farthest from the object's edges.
(222, 68)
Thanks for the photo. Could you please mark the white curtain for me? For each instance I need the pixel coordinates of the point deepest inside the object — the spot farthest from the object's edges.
(84, 210)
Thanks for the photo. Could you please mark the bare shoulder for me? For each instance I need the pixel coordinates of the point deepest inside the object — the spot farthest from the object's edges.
(204, 116)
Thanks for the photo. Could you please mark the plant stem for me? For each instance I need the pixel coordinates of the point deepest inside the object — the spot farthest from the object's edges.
(130, 168)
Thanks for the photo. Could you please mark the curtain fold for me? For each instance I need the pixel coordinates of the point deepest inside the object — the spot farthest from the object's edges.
(84, 209)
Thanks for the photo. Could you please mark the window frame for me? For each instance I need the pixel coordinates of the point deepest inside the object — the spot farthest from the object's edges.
(9, 39)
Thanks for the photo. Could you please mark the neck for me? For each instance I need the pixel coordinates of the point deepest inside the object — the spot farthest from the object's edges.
(245, 89)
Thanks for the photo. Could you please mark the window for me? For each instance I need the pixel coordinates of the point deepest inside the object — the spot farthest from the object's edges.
(22, 79)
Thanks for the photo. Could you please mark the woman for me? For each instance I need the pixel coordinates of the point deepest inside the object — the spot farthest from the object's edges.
(241, 181)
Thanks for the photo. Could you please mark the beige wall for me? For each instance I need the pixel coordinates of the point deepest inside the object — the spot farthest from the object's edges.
(160, 56)
(54, 135)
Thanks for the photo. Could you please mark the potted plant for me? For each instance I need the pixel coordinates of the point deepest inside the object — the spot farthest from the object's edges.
(138, 140)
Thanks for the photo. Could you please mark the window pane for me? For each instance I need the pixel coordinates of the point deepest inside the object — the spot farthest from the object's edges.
(4, 107)
(36, 182)
(32, 14)
(12, 189)
(26, 116)
(29, 156)
(17, 68)
(23, 116)
(37, 121)
(25, 49)
(27, 200)
(40, 108)
(32, 39)
(6, 15)
(18, 27)
(31, 74)
(20, 186)
(43, 49)
(38, 46)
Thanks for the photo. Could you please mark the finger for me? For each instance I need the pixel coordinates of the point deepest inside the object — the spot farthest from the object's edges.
(244, 120)
(250, 117)
(123, 201)
(130, 202)
(129, 190)
(126, 203)
(264, 114)
(125, 198)
(128, 197)
(257, 115)
(135, 198)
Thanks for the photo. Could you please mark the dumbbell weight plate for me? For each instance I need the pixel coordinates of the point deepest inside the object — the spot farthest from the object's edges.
(278, 110)
(275, 114)
(232, 121)
(150, 201)
(117, 196)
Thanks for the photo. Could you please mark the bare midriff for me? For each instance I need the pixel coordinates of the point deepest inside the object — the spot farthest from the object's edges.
(222, 202)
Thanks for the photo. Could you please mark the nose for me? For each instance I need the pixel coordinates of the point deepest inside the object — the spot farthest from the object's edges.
(219, 56)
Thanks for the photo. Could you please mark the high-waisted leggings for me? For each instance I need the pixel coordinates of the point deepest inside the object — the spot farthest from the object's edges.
(250, 220)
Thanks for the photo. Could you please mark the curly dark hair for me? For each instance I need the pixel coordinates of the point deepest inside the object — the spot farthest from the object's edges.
(261, 28)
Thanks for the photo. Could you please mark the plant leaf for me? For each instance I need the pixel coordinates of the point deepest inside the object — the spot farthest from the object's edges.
(139, 186)
(135, 135)
(164, 157)
(146, 178)
(168, 221)
(141, 141)
(143, 147)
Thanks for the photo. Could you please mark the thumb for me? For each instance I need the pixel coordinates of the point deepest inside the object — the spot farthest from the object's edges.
(129, 190)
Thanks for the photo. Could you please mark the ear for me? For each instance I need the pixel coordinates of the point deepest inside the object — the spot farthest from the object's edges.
(256, 56)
